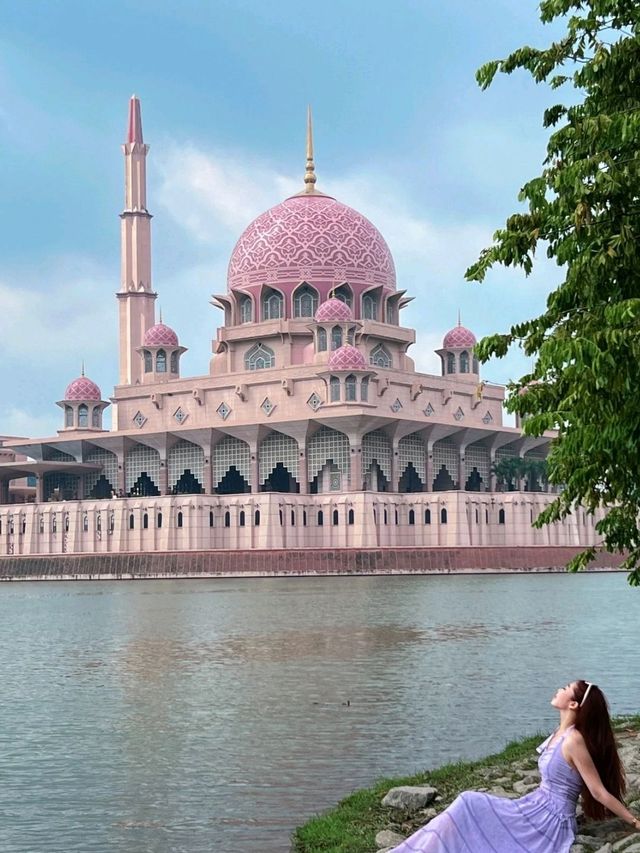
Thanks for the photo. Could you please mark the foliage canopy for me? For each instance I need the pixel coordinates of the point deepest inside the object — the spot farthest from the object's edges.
(584, 210)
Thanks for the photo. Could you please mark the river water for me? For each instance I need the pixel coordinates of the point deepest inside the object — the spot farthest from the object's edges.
(213, 716)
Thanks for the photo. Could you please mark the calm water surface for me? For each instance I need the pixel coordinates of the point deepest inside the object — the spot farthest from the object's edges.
(204, 716)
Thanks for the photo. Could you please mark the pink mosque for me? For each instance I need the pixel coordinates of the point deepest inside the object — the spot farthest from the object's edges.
(311, 428)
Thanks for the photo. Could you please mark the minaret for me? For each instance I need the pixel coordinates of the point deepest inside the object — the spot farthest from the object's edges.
(135, 297)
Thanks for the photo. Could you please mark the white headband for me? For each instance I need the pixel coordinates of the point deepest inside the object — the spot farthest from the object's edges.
(583, 700)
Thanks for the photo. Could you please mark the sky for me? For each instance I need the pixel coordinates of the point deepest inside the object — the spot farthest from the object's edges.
(402, 133)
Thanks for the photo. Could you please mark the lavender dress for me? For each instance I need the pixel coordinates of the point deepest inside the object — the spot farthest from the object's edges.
(540, 822)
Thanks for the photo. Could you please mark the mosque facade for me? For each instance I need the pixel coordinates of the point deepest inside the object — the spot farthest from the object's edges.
(310, 428)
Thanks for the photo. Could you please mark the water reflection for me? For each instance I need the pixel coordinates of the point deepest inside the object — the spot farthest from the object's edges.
(216, 715)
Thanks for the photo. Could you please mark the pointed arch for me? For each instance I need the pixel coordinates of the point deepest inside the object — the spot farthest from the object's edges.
(259, 357)
(327, 449)
(464, 361)
(305, 300)
(246, 308)
(376, 460)
(344, 293)
(272, 304)
(231, 466)
(185, 464)
(278, 463)
(380, 357)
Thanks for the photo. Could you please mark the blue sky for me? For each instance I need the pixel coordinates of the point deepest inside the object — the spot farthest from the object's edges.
(402, 133)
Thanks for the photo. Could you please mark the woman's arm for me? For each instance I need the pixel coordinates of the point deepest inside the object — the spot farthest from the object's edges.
(576, 753)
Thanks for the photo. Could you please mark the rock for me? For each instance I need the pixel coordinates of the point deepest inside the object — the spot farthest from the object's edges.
(388, 839)
(410, 798)
(523, 787)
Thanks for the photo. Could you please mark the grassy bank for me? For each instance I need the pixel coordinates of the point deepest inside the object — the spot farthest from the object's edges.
(352, 825)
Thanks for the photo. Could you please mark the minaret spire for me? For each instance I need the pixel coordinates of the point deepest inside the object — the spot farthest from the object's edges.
(459, 323)
(136, 297)
(310, 173)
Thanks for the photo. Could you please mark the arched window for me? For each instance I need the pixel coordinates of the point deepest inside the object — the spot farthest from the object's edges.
(85, 523)
(443, 516)
(40, 525)
(159, 523)
(412, 516)
(305, 301)
(95, 417)
(145, 520)
(246, 309)
(386, 516)
(320, 518)
(304, 518)
(132, 521)
(174, 362)
(83, 416)
(351, 517)
(271, 305)
(180, 519)
(427, 516)
(369, 306)
(259, 357)
(351, 336)
(350, 387)
(243, 518)
(390, 312)
(322, 340)
(256, 518)
(451, 363)
(364, 389)
(336, 517)
(344, 294)
(68, 416)
(54, 523)
(476, 367)
(336, 337)
(148, 362)
(464, 361)
(227, 519)
(211, 519)
(334, 386)
(380, 356)
(293, 518)
(501, 516)
(161, 361)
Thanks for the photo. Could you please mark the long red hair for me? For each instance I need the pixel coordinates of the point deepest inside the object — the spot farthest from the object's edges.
(594, 724)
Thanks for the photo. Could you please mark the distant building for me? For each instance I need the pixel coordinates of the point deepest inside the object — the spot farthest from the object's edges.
(311, 426)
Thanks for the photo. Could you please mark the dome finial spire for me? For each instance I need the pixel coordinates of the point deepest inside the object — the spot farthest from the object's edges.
(310, 174)
(459, 321)
(82, 373)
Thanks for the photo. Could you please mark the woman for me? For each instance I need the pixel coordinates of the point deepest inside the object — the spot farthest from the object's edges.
(580, 757)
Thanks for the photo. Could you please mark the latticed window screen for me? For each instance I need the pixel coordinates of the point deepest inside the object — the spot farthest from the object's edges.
(109, 461)
(139, 460)
(275, 448)
(182, 456)
(245, 309)
(231, 452)
(305, 301)
(52, 454)
(380, 356)
(370, 306)
(328, 444)
(376, 447)
(411, 450)
(446, 453)
(505, 453)
(259, 357)
(477, 457)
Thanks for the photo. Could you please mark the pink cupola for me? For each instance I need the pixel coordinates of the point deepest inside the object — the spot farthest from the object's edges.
(333, 310)
(160, 353)
(347, 357)
(83, 405)
(457, 354)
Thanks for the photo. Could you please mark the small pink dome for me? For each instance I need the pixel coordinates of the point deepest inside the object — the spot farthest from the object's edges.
(82, 389)
(160, 336)
(333, 309)
(347, 358)
(459, 337)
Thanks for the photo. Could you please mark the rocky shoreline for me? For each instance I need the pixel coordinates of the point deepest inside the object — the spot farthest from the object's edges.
(409, 807)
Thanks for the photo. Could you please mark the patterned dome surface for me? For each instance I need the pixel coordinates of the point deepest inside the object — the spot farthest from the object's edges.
(333, 309)
(311, 237)
(459, 337)
(82, 389)
(160, 336)
(347, 358)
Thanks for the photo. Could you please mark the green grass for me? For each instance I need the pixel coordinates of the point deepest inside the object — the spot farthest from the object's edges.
(352, 825)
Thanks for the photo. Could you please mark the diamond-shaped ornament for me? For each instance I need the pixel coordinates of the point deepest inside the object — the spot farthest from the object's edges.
(314, 402)
(223, 410)
(139, 420)
(396, 405)
(487, 418)
(180, 415)
(458, 414)
(267, 406)
(429, 410)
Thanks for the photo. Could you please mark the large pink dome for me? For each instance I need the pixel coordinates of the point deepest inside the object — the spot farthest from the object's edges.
(311, 237)
(347, 358)
(160, 336)
(82, 389)
(459, 337)
(333, 309)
